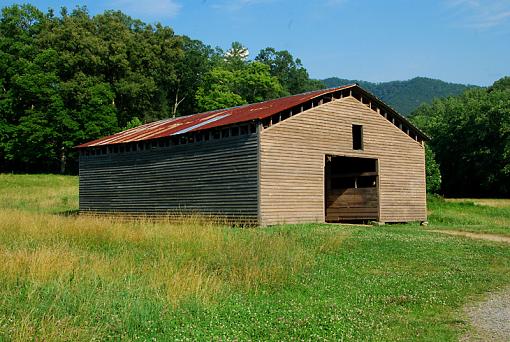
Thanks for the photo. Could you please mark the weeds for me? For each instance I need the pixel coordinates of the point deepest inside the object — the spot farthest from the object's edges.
(74, 277)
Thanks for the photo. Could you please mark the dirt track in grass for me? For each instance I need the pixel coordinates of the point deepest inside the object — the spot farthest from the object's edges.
(490, 319)
(479, 236)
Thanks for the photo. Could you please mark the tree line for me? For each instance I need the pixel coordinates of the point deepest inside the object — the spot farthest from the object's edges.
(470, 139)
(71, 77)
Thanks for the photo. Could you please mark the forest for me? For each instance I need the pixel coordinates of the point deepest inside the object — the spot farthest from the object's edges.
(470, 137)
(405, 96)
(71, 77)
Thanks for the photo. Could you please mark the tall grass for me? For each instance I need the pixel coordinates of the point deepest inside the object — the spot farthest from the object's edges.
(74, 278)
(476, 215)
(87, 262)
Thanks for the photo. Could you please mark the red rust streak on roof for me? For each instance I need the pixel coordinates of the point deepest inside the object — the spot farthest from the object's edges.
(173, 126)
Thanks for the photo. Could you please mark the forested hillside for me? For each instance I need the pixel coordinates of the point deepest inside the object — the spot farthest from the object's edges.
(470, 136)
(71, 77)
(405, 96)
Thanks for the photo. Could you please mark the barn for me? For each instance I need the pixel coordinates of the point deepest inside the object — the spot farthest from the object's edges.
(331, 155)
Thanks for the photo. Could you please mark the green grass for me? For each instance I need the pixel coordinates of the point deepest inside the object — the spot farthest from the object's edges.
(39, 193)
(83, 278)
(473, 215)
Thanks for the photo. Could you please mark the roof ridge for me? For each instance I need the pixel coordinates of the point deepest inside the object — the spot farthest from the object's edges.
(233, 115)
(214, 111)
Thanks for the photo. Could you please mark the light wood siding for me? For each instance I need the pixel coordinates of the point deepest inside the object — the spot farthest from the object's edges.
(217, 177)
(293, 155)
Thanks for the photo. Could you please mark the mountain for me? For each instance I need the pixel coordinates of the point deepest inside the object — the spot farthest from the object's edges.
(405, 96)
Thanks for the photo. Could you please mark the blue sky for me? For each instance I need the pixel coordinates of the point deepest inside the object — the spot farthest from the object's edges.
(466, 41)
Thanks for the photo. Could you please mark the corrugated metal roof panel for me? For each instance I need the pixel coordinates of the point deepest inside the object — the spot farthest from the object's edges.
(217, 118)
(223, 117)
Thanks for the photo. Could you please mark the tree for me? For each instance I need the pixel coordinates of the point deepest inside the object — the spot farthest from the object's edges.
(197, 61)
(433, 174)
(501, 84)
(135, 122)
(471, 139)
(290, 72)
(224, 87)
(71, 77)
(218, 91)
(236, 56)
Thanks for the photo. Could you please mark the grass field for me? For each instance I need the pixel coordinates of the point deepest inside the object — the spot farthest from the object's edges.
(473, 215)
(66, 277)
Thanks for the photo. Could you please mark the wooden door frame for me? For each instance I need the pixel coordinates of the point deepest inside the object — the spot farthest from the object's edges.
(377, 181)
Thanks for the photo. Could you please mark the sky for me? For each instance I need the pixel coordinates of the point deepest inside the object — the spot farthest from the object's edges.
(461, 41)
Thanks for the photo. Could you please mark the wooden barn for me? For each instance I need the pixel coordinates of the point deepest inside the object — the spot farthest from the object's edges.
(330, 155)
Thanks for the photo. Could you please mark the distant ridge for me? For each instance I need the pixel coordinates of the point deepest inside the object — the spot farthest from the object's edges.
(405, 96)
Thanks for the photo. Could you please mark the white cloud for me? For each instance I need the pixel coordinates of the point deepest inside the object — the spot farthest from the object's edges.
(481, 14)
(153, 9)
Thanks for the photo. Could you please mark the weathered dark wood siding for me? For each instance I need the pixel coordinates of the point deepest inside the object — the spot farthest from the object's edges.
(218, 177)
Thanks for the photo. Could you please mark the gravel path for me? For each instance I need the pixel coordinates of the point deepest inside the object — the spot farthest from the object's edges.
(490, 319)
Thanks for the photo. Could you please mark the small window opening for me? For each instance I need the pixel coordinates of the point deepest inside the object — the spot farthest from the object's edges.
(234, 131)
(357, 137)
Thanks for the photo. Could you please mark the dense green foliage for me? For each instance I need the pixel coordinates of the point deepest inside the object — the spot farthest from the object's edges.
(289, 71)
(471, 140)
(432, 171)
(69, 78)
(86, 278)
(405, 96)
(236, 81)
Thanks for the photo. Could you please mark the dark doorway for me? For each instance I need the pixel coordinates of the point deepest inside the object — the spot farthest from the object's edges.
(351, 189)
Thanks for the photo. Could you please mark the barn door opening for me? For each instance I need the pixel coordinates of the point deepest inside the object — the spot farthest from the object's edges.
(351, 189)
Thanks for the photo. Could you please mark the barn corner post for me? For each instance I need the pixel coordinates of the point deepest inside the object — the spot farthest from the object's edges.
(259, 128)
(424, 222)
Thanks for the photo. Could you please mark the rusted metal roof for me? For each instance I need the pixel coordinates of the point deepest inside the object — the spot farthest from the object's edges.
(229, 116)
(202, 121)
